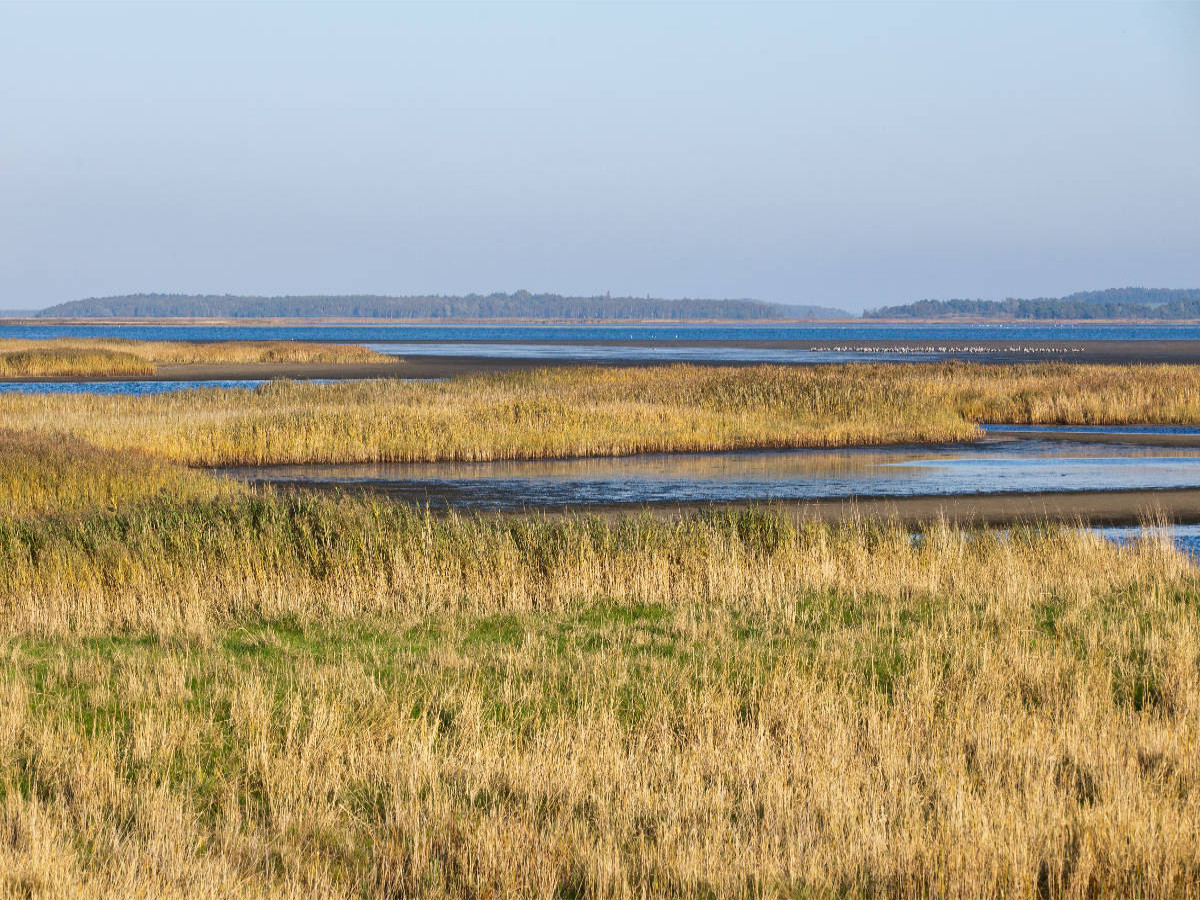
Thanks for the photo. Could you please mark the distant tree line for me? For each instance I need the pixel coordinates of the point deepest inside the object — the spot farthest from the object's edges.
(519, 305)
(1115, 303)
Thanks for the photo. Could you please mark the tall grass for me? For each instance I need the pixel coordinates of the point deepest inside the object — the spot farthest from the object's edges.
(595, 411)
(1066, 394)
(306, 697)
(65, 362)
(97, 357)
(547, 413)
(305, 558)
(55, 474)
(213, 691)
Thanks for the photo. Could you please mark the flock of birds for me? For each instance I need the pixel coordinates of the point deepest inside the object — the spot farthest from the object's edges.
(945, 349)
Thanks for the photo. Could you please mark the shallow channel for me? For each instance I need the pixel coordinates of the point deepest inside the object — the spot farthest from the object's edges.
(1002, 463)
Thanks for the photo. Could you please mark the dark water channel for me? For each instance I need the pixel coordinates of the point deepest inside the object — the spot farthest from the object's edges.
(1004, 462)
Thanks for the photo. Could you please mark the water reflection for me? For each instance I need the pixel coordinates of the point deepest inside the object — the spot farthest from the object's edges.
(118, 388)
(1185, 537)
(130, 388)
(1114, 430)
(986, 467)
(668, 352)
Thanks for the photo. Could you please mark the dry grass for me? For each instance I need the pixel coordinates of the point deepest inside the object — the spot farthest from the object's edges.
(1066, 394)
(546, 413)
(307, 697)
(554, 413)
(208, 691)
(50, 474)
(99, 357)
(69, 362)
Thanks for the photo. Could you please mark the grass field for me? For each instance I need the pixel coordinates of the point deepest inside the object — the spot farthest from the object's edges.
(208, 690)
(99, 357)
(254, 696)
(42, 475)
(602, 412)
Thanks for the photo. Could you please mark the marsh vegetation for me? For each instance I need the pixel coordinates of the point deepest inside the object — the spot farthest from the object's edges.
(296, 697)
(592, 411)
(208, 690)
(107, 357)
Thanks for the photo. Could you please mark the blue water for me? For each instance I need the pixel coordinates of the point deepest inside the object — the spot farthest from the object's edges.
(126, 388)
(1184, 537)
(585, 333)
(1091, 429)
(1012, 465)
(990, 467)
(134, 388)
(636, 352)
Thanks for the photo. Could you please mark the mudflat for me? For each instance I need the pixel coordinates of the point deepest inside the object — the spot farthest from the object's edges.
(1090, 508)
(1100, 508)
(1155, 439)
(420, 366)
(412, 368)
(417, 367)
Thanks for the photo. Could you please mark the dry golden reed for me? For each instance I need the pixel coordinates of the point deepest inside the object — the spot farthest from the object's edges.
(298, 697)
(99, 357)
(53, 474)
(590, 411)
(71, 362)
(213, 691)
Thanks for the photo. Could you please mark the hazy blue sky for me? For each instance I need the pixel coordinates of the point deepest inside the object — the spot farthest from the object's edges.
(843, 154)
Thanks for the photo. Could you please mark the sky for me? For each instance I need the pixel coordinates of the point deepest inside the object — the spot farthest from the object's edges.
(851, 155)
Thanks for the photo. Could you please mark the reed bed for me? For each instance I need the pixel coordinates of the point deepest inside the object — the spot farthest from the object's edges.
(51, 474)
(523, 415)
(208, 690)
(554, 413)
(1067, 394)
(68, 362)
(99, 357)
(292, 697)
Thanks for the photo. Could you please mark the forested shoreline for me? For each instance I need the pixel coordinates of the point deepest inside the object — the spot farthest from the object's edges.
(1115, 303)
(518, 305)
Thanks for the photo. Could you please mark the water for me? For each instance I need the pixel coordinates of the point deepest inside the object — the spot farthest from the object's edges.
(986, 467)
(1115, 430)
(666, 352)
(998, 465)
(117, 388)
(1184, 537)
(744, 343)
(854, 331)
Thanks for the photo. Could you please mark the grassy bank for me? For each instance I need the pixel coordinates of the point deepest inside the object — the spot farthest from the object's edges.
(208, 690)
(99, 357)
(254, 696)
(51, 474)
(546, 413)
(595, 411)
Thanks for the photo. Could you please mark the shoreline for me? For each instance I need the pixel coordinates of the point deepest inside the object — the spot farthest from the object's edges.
(1150, 439)
(25, 317)
(1090, 507)
(419, 366)
(1180, 506)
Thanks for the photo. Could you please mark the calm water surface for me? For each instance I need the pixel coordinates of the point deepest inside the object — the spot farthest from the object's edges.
(117, 388)
(998, 464)
(668, 351)
(662, 343)
(1116, 430)
(985, 467)
(616, 332)
(1185, 537)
